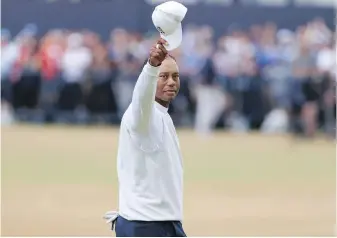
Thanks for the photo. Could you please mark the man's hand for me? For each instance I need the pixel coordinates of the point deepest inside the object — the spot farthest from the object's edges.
(158, 53)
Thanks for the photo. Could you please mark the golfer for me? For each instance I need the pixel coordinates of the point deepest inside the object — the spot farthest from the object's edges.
(149, 160)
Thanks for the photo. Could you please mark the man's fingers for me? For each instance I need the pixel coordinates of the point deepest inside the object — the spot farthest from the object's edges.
(161, 54)
(162, 41)
(152, 50)
(158, 52)
(162, 48)
(156, 55)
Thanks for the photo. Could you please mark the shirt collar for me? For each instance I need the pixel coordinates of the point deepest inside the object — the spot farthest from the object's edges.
(161, 108)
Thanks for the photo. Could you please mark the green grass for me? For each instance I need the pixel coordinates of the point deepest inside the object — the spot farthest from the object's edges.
(87, 155)
(59, 180)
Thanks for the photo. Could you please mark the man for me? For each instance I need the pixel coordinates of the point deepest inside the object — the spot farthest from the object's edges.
(75, 63)
(149, 160)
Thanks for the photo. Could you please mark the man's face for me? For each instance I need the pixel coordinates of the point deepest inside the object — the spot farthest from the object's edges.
(169, 83)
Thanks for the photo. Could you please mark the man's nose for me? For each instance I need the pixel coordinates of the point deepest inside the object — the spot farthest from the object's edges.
(171, 82)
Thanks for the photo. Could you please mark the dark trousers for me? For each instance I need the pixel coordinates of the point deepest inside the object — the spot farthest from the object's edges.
(25, 92)
(126, 228)
(71, 96)
(101, 99)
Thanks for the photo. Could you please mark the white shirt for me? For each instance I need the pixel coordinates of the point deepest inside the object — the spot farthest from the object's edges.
(326, 60)
(9, 54)
(149, 162)
(75, 62)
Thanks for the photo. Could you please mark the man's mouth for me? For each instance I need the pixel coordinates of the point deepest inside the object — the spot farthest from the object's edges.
(170, 91)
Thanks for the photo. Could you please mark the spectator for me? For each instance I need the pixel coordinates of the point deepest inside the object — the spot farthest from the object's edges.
(210, 100)
(75, 63)
(255, 79)
(52, 48)
(25, 74)
(100, 99)
(9, 54)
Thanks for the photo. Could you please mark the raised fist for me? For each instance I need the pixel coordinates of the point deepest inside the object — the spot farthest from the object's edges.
(158, 53)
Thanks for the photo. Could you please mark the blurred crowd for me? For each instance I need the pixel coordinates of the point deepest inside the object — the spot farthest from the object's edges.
(262, 78)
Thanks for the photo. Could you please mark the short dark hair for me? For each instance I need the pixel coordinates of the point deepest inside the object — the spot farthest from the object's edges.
(172, 57)
(167, 56)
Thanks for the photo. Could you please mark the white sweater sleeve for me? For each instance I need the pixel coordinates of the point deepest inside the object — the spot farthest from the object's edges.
(143, 97)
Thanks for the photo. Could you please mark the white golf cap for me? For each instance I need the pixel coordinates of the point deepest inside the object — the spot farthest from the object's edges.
(167, 18)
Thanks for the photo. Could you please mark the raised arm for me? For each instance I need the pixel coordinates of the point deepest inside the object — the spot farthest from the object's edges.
(144, 92)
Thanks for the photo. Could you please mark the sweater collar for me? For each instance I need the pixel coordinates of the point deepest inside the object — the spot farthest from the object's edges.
(161, 108)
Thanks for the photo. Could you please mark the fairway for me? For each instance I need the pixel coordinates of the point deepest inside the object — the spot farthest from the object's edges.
(59, 181)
